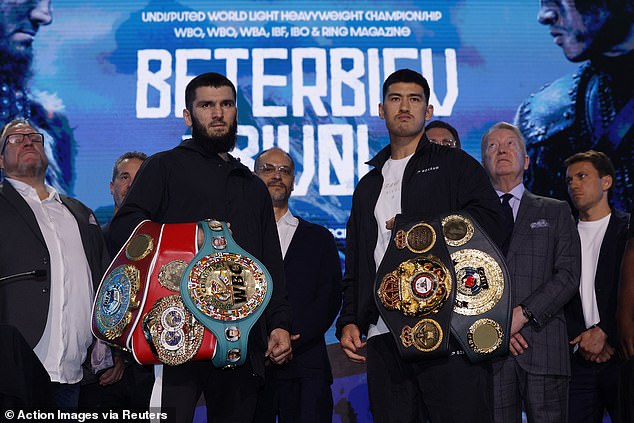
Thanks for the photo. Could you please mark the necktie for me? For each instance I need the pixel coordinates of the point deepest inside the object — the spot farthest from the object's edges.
(506, 205)
(508, 214)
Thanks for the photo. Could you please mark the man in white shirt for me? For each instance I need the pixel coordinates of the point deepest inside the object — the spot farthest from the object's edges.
(591, 314)
(51, 258)
(299, 391)
(414, 177)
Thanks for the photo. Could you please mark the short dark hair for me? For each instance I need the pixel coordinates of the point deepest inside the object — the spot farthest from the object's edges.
(599, 160)
(12, 124)
(209, 79)
(407, 75)
(128, 155)
(258, 158)
(444, 125)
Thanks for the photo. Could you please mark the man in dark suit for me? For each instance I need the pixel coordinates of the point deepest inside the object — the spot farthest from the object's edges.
(543, 258)
(591, 315)
(51, 259)
(625, 318)
(299, 391)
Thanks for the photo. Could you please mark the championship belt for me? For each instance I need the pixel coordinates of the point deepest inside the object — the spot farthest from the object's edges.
(481, 321)
(415, 290)
(227, 290)
(138, 305)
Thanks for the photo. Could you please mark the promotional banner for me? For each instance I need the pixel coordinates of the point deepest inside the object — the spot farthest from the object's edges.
(103, 78)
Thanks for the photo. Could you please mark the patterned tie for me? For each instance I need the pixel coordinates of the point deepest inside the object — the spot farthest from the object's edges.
(508, 213)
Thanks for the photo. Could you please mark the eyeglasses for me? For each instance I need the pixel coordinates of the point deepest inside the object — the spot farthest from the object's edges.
(270, 169)
(447, 142)
(34, 137)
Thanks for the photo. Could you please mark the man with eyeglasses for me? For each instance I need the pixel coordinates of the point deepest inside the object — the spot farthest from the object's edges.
(544, 262)
(51, 259)
(440, 132)
(299, 391)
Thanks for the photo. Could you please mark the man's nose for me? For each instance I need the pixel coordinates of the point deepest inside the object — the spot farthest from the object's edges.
(41, 13)
(547, 14)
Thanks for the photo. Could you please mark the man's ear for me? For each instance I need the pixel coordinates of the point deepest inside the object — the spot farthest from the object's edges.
(381, 113)
(187, 118)
(606, 182)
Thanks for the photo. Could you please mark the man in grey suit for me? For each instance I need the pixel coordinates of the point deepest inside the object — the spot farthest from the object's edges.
(544, 260)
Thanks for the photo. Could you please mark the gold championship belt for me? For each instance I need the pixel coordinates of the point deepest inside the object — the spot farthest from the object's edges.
(441, 275)
(138, 305)
(482, 319)
(226, 289)
(415, 289)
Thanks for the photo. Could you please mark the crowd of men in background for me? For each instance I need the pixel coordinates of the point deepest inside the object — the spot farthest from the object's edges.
(570, 297)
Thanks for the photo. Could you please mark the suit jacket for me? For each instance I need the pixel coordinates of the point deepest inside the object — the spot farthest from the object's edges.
(544, 261)
(606, 281)
(24, 300)
(313, 283)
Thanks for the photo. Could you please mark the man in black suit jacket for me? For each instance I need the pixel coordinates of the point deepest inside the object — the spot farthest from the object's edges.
(591, 314)
(299, 391)
(544, 259)
(51, 259)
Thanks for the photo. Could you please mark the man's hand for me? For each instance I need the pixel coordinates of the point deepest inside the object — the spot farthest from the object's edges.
(351, 342)
(279, 346)
(518, 344)
(605, 354)
(591, 343)
(389, 224)
(113, 374)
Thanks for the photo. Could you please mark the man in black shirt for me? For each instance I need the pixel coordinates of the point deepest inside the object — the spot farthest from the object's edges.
(199, 180)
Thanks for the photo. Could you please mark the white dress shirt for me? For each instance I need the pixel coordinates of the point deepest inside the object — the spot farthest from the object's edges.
(66, 338)
(286, 227)
(517, 192)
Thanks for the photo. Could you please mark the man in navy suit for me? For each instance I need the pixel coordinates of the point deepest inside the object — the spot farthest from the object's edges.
(51, 259)
(591, 315)
(299, 391)
(544, 260)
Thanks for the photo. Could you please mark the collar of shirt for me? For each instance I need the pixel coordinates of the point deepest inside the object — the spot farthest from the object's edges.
(517, 192)
(288, 220)
(27, 190)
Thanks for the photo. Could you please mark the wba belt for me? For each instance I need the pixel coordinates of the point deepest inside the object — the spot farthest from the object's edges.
(138, 305)
(226, 289)
(443, 275)
(415, 288)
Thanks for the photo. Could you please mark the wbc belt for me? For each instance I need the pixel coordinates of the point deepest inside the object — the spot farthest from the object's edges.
(415, 288)
(138, 305)
(481, 321)
(227, 290)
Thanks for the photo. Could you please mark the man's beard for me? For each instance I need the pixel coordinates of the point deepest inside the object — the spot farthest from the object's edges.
(212, 144)
(15, 67)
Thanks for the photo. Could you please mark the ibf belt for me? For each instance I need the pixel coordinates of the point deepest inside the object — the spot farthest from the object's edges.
(119, 297)
(415, 288)
(481, 320)
(227, 290)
